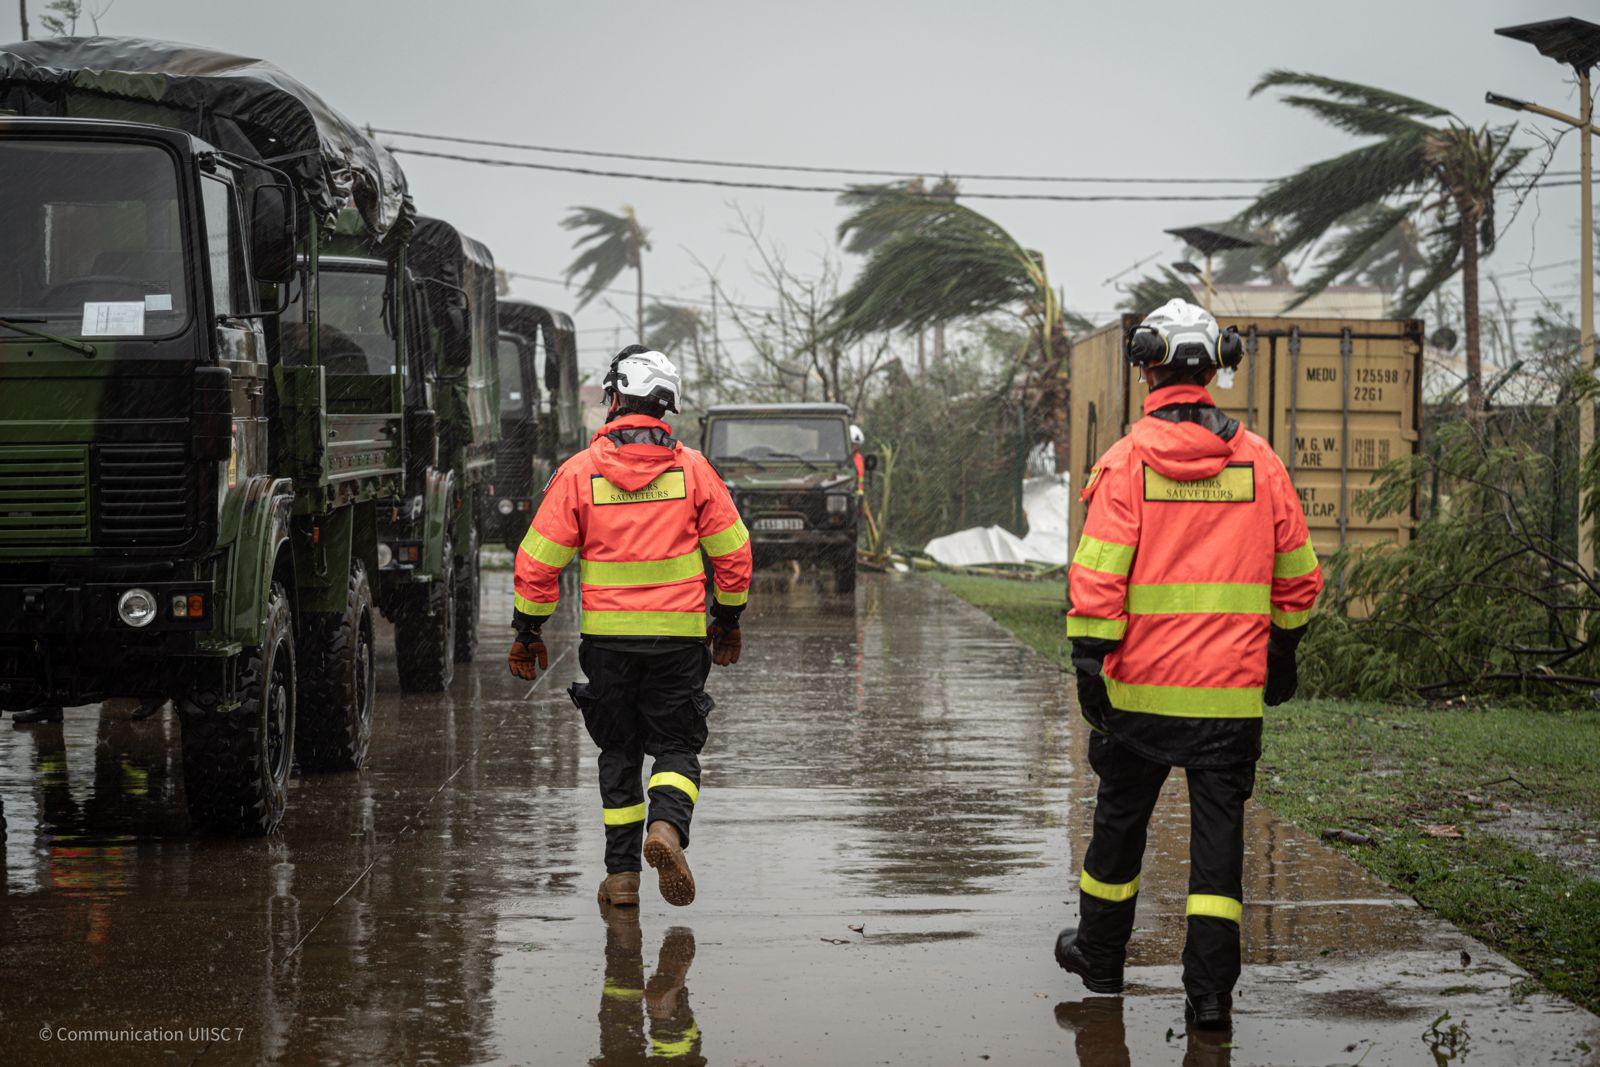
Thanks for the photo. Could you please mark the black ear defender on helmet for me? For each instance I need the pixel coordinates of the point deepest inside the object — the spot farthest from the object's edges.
(1230, 348)
(1144, 346)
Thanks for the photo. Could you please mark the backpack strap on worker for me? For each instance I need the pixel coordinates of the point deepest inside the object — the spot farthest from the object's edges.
(1211, 418)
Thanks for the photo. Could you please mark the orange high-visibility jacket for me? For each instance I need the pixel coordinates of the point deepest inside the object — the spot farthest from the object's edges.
(1193, 547)
(637, 511)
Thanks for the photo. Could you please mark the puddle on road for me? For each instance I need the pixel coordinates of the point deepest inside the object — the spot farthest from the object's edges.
(907, 767)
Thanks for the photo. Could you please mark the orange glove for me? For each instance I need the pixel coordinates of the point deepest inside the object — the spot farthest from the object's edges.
(725, 643)
(528, 656)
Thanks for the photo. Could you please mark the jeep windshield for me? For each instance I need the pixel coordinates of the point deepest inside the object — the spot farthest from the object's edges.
(773, 441)
(93, 240)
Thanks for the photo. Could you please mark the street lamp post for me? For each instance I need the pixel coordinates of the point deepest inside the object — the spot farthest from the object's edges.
(1574, 43)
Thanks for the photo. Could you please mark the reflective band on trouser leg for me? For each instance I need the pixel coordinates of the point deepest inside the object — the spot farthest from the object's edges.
(642, 572)
(1086, 626)
(1200, 598)
(1108, 557)
(532, 607)
(1215, 907)
(616, 989)
(674, 780)
(731, 539)
(546, 551)
(1191, 702)
(623, 816)
(1106, 890)
(660, 1046)
(1300, 562)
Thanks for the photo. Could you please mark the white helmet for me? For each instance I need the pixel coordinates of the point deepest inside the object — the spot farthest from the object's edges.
(856, 436)
(641, 372)
(1182, 334)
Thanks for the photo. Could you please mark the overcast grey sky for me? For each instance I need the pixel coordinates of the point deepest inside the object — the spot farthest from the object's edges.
(1154, 89)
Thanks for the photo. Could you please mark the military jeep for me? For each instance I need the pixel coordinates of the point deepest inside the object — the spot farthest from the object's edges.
(791, 470)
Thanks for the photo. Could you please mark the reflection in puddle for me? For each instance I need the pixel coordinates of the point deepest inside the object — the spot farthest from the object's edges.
(1100, 1036)
(646, 1021)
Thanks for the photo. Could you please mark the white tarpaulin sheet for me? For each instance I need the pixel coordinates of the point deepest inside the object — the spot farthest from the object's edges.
(1045, 502)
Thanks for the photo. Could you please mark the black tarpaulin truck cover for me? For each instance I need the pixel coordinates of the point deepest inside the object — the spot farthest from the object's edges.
(240, 105)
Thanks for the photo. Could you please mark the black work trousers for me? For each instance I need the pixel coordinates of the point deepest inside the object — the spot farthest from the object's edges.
(1129, 787)
(637, 703)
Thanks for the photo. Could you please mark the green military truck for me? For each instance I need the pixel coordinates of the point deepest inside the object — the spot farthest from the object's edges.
(792, 473)
(190, 465)
(541, 421)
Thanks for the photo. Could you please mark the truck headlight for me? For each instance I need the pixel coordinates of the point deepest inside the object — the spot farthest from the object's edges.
(505, 507)
(838, 503)
(137, 607)
(385, 555)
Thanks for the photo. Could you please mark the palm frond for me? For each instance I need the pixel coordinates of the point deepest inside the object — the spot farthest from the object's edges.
(1354, 92)
(1153, 290)
(1347, 251)
(616, 242)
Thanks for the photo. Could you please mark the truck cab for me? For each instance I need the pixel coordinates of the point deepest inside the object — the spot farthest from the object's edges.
(540, 419)
(791, 470)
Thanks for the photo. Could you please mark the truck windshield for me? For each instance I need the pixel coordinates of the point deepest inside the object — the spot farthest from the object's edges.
(769, 440)
(353, 332)
(512, 403)
(93, 243)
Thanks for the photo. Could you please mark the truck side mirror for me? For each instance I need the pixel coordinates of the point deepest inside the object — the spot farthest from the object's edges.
(272, 226)
(869, 461)
(453, 319)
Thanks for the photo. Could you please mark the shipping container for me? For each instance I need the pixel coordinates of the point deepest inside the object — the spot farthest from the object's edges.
(1336, 398)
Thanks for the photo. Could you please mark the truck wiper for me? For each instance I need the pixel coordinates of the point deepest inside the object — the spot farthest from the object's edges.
(65, 342)
(745, 459)
(795, 456)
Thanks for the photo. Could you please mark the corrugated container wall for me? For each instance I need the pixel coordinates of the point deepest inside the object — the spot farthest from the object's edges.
(1337, 399)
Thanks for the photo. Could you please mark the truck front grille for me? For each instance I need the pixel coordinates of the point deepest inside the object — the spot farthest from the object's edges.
(143, 494)
(44, 495)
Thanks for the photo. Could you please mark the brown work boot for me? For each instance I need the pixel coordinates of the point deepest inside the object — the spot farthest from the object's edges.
(621, 889)
(663, 852)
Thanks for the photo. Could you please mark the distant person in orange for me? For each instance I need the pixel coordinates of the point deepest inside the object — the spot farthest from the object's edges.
(1190, 590)
(857, 439)
(638, 508)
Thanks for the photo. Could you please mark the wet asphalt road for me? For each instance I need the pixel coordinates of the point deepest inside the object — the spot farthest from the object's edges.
(906, 767)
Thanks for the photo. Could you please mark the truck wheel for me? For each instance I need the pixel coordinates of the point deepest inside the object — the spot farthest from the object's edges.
(236, 762)
(337, 672)
(425, 633)
(844, 571)
(467, 603)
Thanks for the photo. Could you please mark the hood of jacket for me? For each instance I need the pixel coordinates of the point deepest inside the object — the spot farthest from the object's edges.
(636, 461)
(1182, 451)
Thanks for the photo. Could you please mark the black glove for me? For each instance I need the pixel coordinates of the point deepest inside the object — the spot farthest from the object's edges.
(1088, 659)
(1283, 673)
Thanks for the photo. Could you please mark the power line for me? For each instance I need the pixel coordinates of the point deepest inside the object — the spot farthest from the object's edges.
(807, 168)
(834, 190)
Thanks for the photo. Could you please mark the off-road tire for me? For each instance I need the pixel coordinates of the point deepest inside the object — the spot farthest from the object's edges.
(844, 571)
(468, 598)
(236, 763)
(337, 680)
(424, 632)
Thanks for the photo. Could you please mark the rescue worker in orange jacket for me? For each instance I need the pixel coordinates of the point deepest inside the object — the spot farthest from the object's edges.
(638, 508)
(1190, 590)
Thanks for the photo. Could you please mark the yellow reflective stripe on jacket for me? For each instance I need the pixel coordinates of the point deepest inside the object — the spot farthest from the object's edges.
(1193, 702)
(644, 623)
(1200, 598)
(1116, 893)
(546, 551)
(1296, 564)
(732, 539)
(1215, 907)
(1087, 626)
(624, 816)
(674, 780)
(532, 607)
(733, 599)
(1107, 557)
(1290, 620)
(642, 572)
(619, 991)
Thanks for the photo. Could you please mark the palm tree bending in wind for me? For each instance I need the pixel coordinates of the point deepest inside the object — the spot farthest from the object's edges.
(615, 243)
(1425, 169)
